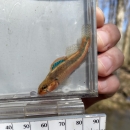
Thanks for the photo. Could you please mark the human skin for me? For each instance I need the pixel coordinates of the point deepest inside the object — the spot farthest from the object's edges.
(110, 58)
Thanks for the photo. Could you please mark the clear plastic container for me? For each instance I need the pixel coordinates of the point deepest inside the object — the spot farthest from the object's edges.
(34, 33)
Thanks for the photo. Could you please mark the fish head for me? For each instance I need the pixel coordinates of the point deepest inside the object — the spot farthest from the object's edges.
(47, 86)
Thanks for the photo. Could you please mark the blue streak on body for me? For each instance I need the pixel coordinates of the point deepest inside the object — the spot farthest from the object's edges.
(57, 63)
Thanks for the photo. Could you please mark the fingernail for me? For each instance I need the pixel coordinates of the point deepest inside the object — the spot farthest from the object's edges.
(105, 62)
(103, 37)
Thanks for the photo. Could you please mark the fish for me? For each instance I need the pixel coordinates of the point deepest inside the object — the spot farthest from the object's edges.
(62, 67)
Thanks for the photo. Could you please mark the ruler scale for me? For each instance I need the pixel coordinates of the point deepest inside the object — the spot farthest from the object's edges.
(78, 122)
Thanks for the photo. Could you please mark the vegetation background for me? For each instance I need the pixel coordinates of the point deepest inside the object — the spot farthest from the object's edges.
(117, 108)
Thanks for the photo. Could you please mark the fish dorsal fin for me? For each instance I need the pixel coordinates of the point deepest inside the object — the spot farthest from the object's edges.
(86, 31)
(73, 48)
(57, 62)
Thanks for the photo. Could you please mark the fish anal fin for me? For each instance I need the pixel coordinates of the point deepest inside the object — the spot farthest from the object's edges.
(57, 62)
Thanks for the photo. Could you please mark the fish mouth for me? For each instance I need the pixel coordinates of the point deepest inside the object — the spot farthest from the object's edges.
(42, 92)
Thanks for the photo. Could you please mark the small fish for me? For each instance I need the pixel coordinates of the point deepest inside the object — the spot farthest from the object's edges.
(62, 67)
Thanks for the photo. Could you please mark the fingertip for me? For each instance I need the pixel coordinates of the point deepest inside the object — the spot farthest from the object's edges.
(107, 37)
(104, 65)
(100, 17)
(108, 85)
(109, 61)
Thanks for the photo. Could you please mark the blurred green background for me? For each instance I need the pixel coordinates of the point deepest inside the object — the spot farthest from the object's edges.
(117, 108)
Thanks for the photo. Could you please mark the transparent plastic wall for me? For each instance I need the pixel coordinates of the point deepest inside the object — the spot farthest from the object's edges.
(33, 33)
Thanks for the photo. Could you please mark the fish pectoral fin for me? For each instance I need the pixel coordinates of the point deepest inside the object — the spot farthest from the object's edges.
(57, 62)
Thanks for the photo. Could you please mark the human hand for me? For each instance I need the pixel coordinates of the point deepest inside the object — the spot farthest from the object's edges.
(110, 58)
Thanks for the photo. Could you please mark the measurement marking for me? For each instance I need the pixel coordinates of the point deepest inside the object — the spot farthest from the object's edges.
(12, 126)
(65, 124)
(99, 123)
(48, 124)
(30, 125)
(82, 124)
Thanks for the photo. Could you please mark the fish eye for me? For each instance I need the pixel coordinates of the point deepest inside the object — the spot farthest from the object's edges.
(44, 87)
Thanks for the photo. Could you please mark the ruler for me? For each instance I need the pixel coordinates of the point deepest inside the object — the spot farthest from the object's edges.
(73, 122)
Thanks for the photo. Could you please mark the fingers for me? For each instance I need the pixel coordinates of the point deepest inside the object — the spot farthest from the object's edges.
(109, 61)
(100, 17)
(107, 37)
(108, 85)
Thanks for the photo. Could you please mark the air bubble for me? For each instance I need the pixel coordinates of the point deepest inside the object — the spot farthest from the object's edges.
(33, 93)
(66, 89)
